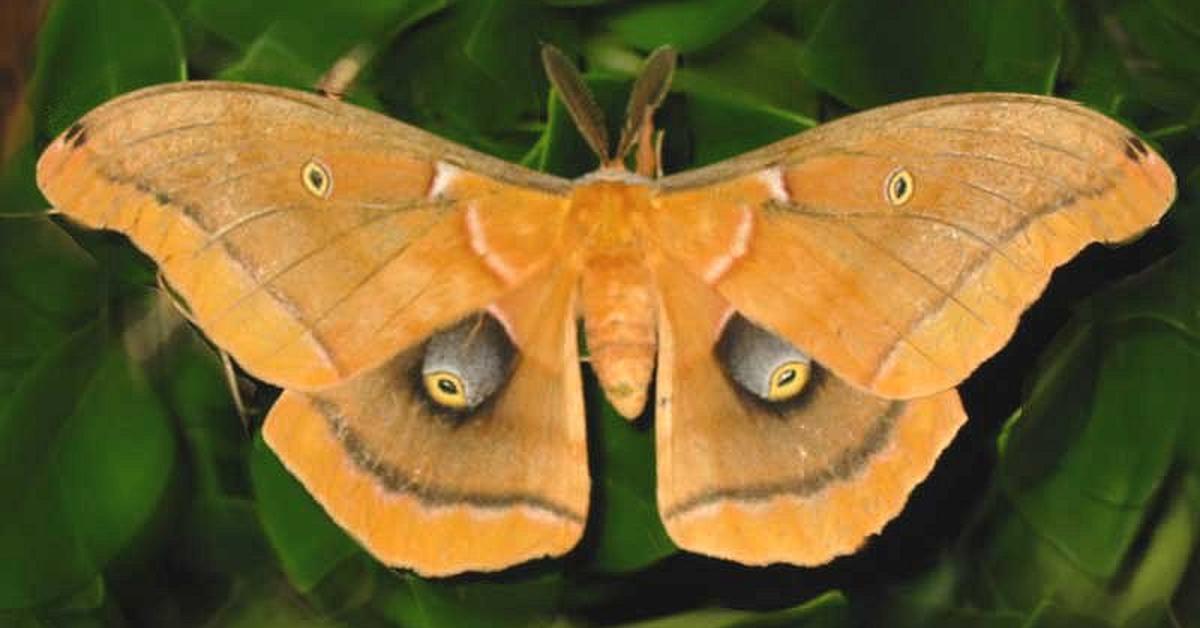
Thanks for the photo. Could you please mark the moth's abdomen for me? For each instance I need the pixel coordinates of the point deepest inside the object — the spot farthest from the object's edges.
(618, 315)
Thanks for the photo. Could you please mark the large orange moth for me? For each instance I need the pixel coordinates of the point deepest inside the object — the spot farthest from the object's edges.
(804, 311)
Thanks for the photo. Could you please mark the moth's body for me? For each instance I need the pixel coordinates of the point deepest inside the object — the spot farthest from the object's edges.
(616, 290)
(805, 311)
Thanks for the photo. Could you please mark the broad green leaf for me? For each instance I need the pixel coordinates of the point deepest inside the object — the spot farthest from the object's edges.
(473, 75)
(223, 535)
(828, 610)
(1181, 13)
(868, 54)
(777, 84)
(686, 25)
(722, 128)
(268, 603)
(1024, 571)
(1101, 526)
(508, 601)
(1164, 39)
(195, 388)
(625, 524)
(90, 51)
(1099, 77)
(1167, 80)
(297, 47)
(1092, 503)
(48, 289)
(87, 457)
(307, 543)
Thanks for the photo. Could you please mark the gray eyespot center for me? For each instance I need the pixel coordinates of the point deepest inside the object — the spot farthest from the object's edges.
(761, 363)
(466, 364)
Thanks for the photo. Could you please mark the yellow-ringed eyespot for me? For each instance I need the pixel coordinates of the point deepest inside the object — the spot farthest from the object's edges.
(446, 389)
(317, 178)
(898, 188)
(788, 380)
(466, 363)
(761, 363)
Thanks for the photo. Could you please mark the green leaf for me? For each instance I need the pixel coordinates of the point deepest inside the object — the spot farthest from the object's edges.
(868, 54)
(626, 527)
(828, 610)
(1164, 49)
(777, 84)
(723, 129)
(1101, 526)
(420, 603)
(267, 603)
(473, 76)
(87, 456)
(295, 48)
(1099, 77)
(686, 25)
(48, 289)
(1092, 503)
(89, 52)
(309, 546)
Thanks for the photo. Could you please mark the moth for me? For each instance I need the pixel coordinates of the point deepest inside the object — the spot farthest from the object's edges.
(802, 313)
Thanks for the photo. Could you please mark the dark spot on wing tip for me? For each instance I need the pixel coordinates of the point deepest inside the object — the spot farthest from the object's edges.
(1135, 148)
(76, 135)
(162, 198)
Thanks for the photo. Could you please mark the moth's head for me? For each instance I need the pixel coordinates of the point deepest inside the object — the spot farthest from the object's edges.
(648, 92)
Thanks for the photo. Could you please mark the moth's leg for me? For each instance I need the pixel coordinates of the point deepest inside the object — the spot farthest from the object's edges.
(231, 378)
(235, 390)
(341, 75)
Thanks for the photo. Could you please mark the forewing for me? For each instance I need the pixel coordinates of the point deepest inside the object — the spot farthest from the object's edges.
(310, 238)
(905, 299)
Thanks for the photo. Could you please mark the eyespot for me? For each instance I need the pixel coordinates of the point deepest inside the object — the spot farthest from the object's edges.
(465, 364)
(899, 187)
(446, 389)
(788, 380)
(316, 178)
(762, 363)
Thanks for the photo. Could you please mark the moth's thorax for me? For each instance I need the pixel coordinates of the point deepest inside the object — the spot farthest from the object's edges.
(609, 215)
(616, 295)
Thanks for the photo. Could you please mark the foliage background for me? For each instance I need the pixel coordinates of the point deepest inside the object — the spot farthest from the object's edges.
(133, 496)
